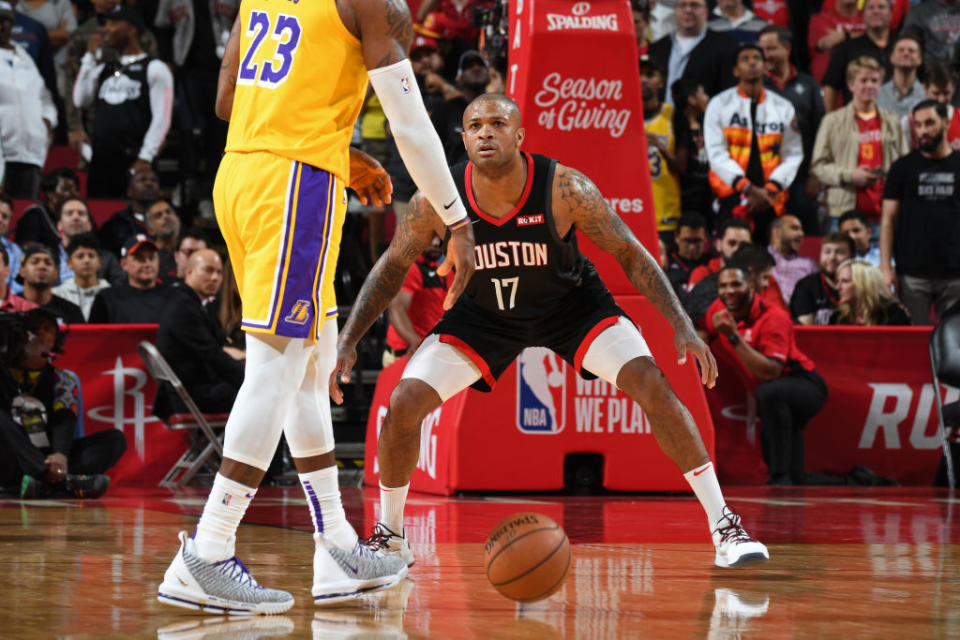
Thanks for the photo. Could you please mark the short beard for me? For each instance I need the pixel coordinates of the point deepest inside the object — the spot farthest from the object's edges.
(41, 286)
(934, 143)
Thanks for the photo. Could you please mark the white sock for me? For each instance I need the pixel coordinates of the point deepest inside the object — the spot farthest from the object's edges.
(323, 497)
(216, 532)
(392, 501)
(703, 481)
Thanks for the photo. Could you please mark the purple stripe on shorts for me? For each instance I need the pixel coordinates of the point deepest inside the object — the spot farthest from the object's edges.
(314, 216)
(281, 263)
(315, 504)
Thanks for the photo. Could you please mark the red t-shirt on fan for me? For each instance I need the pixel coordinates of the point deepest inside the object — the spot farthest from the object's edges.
(429, 291)
(772, 11)
(870, 156)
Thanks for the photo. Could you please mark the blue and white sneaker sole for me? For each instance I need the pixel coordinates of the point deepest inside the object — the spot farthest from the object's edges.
(336, 592)
(209, 604)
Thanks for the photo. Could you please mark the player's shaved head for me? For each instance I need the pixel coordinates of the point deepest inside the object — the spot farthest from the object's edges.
(511, 108)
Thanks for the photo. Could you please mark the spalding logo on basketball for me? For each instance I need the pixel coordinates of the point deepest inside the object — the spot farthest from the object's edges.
(541, 391)
(527, 557)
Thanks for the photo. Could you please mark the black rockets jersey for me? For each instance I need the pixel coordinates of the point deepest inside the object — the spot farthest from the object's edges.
(523, 267)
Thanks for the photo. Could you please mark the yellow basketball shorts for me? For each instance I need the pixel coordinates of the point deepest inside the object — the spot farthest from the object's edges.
(282, 221)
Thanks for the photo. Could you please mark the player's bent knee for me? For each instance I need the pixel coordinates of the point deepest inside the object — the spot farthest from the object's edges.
(411, 401)
(643, 380)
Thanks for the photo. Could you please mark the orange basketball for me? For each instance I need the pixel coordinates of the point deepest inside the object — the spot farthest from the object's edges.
(527, 556)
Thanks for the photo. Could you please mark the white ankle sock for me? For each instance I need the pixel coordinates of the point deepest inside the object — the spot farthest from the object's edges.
(392, 501)
(217, 529)
(323, 498)
(703, 481)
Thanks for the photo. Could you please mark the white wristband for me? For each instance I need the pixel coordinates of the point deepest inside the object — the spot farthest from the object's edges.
(417, 140)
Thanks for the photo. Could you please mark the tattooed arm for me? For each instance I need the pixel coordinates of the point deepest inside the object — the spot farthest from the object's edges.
(384, 27)
(227, 80)
(413, 235)
(577, 200)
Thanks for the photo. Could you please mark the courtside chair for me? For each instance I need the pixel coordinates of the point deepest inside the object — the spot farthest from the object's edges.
(945, 366)
(204, 440)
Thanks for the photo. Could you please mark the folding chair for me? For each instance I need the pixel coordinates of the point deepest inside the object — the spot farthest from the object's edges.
(205, 443)
(945, 366)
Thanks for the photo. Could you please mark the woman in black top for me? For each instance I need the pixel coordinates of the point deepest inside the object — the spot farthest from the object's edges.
(864, 298)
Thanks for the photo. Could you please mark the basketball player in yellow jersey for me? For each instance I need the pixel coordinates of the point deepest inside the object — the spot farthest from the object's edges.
(293, 79)
(661, 147)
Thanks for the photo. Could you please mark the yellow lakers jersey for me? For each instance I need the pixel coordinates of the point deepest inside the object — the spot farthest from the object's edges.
(300, 84)
(664, 184)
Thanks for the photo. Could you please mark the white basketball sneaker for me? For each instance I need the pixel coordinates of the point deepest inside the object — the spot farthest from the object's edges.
(388, 543)
(217, 587)
(735, 547)
(340, 575)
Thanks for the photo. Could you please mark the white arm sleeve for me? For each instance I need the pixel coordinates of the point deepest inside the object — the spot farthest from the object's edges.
(161, 107)
(417, 140)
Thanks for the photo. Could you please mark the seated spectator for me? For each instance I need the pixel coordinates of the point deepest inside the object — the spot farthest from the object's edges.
(921, 225)
(164, 225)
(83, 258)
(142, 300)
(788, 391)
(190, 240)
(758, 263)
(690, 240)
(815, 297)
(192, 341)
(9, 301)
(75, 219)
(735, 20)
(866, 245)
(733, 233)
(856, 145)
(693, 52)
(899, 94)
(786, 238)
(13, 249)
(876, 43)
(132, 101)
(417, 307)
(27, 113)
(143, 190)
(751, 179)
(38, 275)
(38, 223)
(864, 298)
(230, 314)
(38, 414)
(828, 28)
(940, 85)
(691, 103)
(661, 148)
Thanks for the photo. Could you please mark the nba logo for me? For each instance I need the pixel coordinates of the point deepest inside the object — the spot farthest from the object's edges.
(405, 84)
(541, 391)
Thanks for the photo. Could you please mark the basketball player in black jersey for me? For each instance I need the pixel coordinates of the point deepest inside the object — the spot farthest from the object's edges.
(532, 287)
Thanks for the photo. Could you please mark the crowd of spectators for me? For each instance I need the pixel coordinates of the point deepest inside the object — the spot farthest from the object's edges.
(768, 124)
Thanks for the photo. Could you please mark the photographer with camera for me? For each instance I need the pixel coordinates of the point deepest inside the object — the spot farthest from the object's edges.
(38, 416)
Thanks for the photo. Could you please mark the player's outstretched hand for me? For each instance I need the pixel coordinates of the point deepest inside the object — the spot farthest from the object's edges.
(369, 179)
(459, 256)
(687, 341)
(346, 358)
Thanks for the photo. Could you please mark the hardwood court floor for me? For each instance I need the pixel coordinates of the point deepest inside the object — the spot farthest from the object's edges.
(868, 563)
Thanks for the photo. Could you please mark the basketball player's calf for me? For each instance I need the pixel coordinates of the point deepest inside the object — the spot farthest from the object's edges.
(397, 452)
(678, 437)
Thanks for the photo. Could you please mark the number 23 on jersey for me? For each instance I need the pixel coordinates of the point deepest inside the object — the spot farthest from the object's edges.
(257, 67)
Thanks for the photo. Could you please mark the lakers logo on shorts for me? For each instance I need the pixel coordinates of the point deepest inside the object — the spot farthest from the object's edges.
(300, 313)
